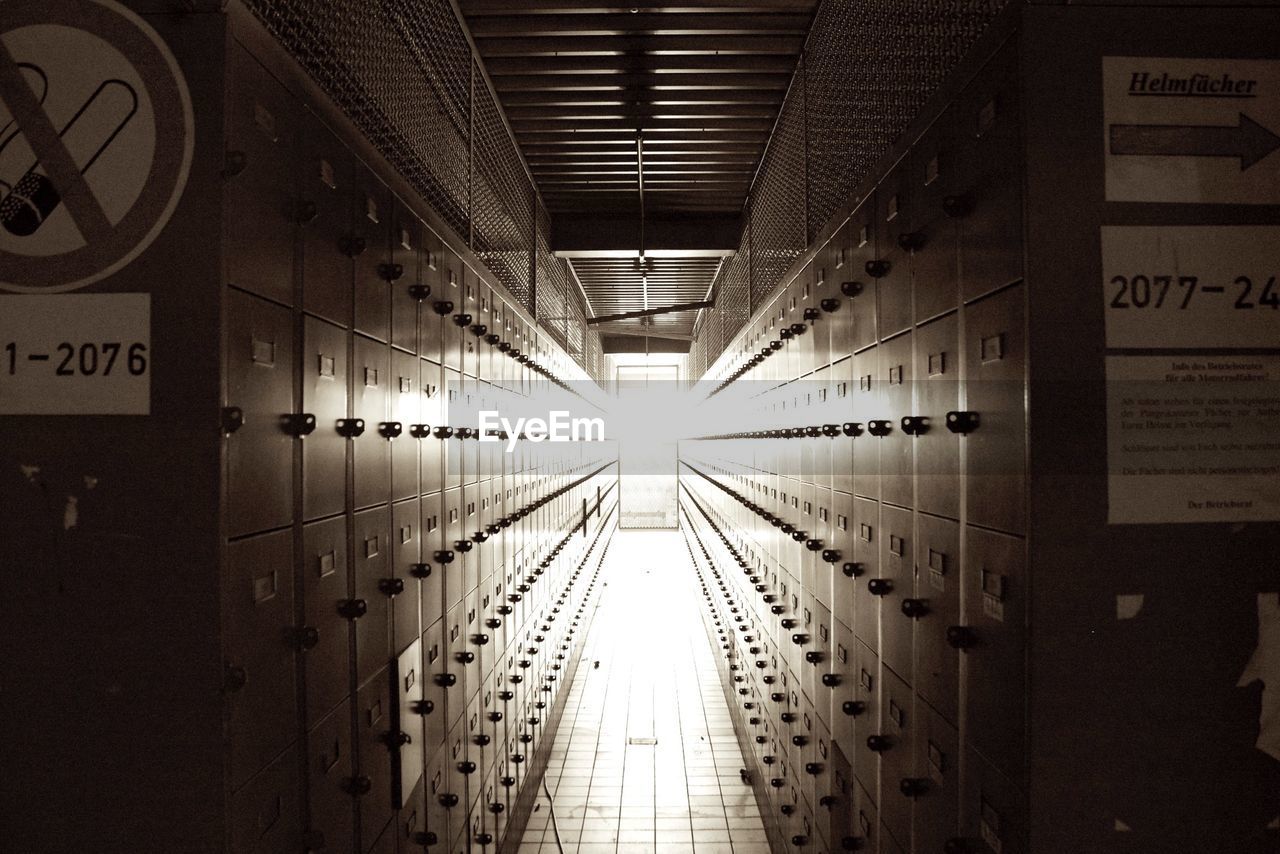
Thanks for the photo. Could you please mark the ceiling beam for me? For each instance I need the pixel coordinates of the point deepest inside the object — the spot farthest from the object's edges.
(595, 233)
(660, 64)
(617, 45)
(533, 24)
(595, 7)
(700, 82)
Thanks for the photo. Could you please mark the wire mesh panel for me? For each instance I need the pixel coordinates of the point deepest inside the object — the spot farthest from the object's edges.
(778, 230)
(553, 292)
(393, 68)
(870, 66)
(502, 226)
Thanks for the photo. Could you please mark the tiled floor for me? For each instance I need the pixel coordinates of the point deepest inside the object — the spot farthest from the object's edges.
(656, 680)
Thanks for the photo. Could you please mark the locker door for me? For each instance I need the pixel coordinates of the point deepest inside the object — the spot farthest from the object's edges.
(995, 373)
(403, 582)
(439, 799)
(332, 809)
(405, 412)
(431, 413)
(408, 755)
(936, 809)
(430, 329)
(935, 252)
(260, 389)
(845, 712)
(866, 552)
(937, 449)
(370, 245)
(375, 724)
(937, 663)
(435, 692)
(266, 816)
(894, 227)
(260, 658)
(897, 568)
(369, 404)
(412, 821)
(842, 413)
(324, 591)
(990, 178)
(840, 818)
(403, 273)
(994, 609)
(454, 416)
(826, 288)
(431, 529)
(866, 759)
(897, 378)
(867, 407)
(325, 189)
(324, 395)
(993, 813)
(898, 727)
(845, 571)
(451, 297)
(856, 284)
(261, 200)
(372, 566)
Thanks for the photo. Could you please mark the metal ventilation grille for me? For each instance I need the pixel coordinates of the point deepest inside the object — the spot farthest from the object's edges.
(392, 68)
(778, 234)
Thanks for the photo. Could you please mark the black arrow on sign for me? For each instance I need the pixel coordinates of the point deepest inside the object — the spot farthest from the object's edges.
(1248, 140)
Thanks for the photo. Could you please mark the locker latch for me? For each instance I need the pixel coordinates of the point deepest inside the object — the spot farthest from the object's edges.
(962, 422)
(915, 425)
(350, 428)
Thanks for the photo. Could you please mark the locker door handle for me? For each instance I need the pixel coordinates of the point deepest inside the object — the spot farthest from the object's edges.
(443, 556)
(448, 800)
(913, 787)
(812, 314)
(353, 609)
(463, 546)
(961, 637)
(880, 428)
(495, 717)
(442, 432)
(462, 320)
(442, 307)
(390, 272)
(420, 292)
(306, 637)
(491, 339)
(479, 329)
(830, 304)
(830, 680)
(852, 570)
(467, 767)
(912, 241)
(350, 428)
(360, 785)
(853, 708)
(813, 545)
(798, 329)
(497, 807)
(425, 838)
(852, 428)
(390, 429)
(962, 422)
(466, 657)
(851, 288)
(446, 680)
(813, 768)
(232, 419)
(915, 425)
(813, 657)
(788, 717)
(424, 707)
(915, 608)
(831, 430)
(300, 424)
(880, 586)
(800, 639)
(419, 431)
(799, 840)
(397, 739)
(506, 696)
(878, 743)
(352, 246)
(878, 268)
(830, 555)
(484, 838)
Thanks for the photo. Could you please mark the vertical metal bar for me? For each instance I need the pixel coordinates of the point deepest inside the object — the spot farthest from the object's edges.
(471, 156)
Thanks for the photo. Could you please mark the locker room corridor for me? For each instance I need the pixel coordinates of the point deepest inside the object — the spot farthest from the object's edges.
(615, 792)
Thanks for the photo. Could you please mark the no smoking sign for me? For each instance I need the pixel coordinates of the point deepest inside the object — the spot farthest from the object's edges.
(96, 138)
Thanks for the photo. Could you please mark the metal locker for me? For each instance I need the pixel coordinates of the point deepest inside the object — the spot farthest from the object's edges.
(867, 407)
(408, 735)
(431, 413)
(266, 814)
(866, 820)
(371, 608)
(330, 771)
(430, 531)
(430, 323)
(442, 802)
(469, 308)
(803, 296)
(993, 811)
(259, 401)
(481, 635)
(895, 588)
(897, 752)
(455, 754)
(845, 713)
(449, 303)
(991, 242)
(404, 276)
(405, 412)
(995, 377)
(261, 198)
(892, 266)
(407, 565)
(259, 680)
(994, 609)
(937, 448)
(821, 317)
(844, 570)
(454, 415)
(937, 663)
(888, 430)
(412, 821)
(840, 835)
(369, 396)
(842, 413)
(866, 554)
(325, 215)
(470, 559)
(324, 396)
(455, 652)
(466, 644)
(370, 246)
(437, 687)
(866, 759)
(375, 725)
(325, 636)
(935, 785)
(934, 243)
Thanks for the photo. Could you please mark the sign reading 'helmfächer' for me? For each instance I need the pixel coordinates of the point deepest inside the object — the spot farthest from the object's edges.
(1191, 130)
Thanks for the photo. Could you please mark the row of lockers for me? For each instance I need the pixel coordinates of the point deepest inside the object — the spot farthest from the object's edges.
(850, 757)
(311, 225)
(405, 426)
(942, 227)
(927, 420)
(436, 749)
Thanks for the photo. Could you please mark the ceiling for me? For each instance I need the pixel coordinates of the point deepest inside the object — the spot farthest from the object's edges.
(653, 112)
